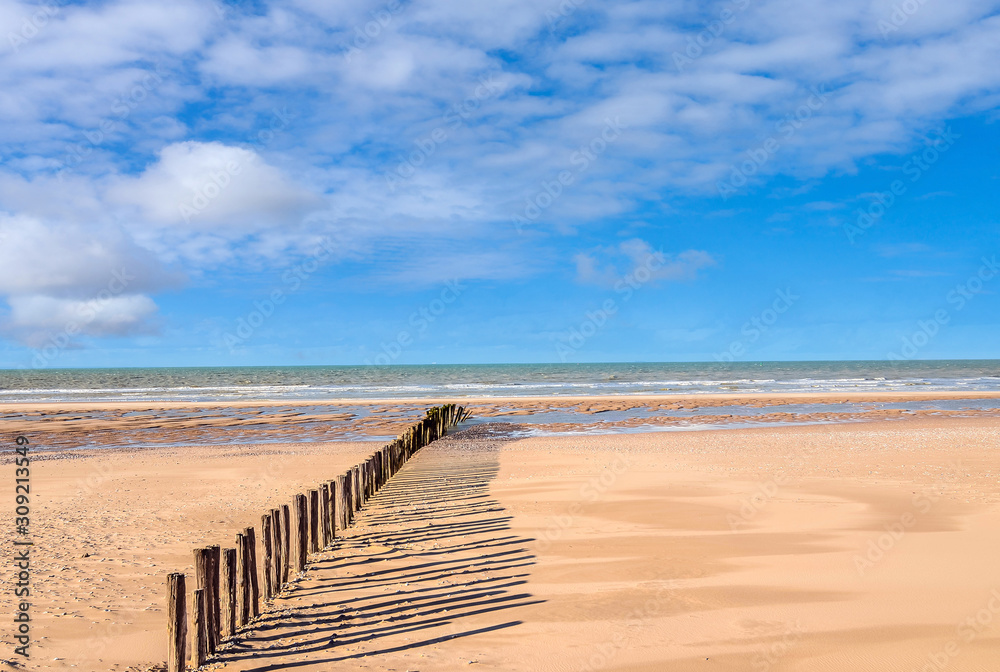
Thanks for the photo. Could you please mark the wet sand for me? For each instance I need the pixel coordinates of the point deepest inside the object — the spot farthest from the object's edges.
(83, 425)
(823, 547)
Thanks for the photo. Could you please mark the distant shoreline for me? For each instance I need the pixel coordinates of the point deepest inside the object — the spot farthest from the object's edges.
(748, 398)
(88, 425)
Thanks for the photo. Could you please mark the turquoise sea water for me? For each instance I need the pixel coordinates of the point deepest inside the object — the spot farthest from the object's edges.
(458, 381)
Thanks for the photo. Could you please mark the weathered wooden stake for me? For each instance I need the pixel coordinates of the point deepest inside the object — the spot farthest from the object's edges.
(176, 622)
(301, 536)
(215, 634)
(324, 514)
(242, 581)
(313, 521)
(350, 503)
(344, 481)
(332, 513)
(356, 487)
(227, 586)
(199, 629)
(267, 571)
(203, 580)
(252, 571)
(276, 581)
(286, 536)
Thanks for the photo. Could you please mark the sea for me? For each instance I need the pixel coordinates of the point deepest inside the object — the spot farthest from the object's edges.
(319, 383)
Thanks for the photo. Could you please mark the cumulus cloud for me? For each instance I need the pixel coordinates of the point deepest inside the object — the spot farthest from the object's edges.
(38, 321)
(209, 184)
(89, 281)
(73, 261)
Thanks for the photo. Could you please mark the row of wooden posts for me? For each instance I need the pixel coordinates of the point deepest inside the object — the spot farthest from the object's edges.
(231, 583)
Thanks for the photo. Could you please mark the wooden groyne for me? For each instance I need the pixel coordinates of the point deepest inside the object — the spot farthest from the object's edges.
(231, 585)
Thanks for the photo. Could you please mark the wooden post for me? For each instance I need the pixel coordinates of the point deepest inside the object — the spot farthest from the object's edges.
(176, 622)
(313, 521)
(227, 586)
(252, 571)
(242, 581)
(199, 630)
(332, 513)
(215, 634)
(304, 532)
(276, 580)
(344, 489)
(301, 532)
(324, 515)
(203, 579)
(356, 487)
(286, 536)
(266, 570)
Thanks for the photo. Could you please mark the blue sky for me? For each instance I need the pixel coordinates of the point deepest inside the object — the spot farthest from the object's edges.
(404, 182)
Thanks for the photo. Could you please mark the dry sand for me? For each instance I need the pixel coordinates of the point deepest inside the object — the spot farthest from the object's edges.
(109, 525)
(860, 546)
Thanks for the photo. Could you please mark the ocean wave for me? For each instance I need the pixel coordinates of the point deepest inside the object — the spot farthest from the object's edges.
(347, 383)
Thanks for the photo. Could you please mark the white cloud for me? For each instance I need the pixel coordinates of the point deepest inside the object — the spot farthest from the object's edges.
(201, 185)
(40, 320)
(607, 266)
(75, 280)
(236, 61)
(73, 261)
(221, 74)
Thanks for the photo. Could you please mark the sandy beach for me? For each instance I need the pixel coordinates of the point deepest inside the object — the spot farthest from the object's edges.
(864, 545)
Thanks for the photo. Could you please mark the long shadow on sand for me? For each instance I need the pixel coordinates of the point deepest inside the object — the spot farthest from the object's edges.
(432, 559)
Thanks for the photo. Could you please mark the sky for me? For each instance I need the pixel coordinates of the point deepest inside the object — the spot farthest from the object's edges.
(433, 181)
